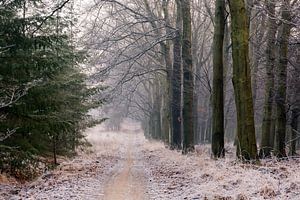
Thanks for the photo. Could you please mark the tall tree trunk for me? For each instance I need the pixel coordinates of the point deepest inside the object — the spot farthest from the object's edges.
(167, 123)
(257, 31)
(195, 117)
(252, 50)
(266, 145)
(188, 78)
(295, 131)
(165, 60)
(218, 93)
(280, 99)
(55, 140)
(176, 81)
(155, 117)
(227, 73)
(157, 110)
(151, 126)
(165, 111)
(295, 106)
(246, 148)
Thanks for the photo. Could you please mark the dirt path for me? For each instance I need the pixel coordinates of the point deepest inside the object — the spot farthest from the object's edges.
(129, 180)
(123, 165)
(113, 170)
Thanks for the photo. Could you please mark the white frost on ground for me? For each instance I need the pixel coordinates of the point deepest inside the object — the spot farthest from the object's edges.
(82, 177)
(166, 174)
(197, 176)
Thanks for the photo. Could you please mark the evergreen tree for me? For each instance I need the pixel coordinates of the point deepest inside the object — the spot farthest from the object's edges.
(44, 96)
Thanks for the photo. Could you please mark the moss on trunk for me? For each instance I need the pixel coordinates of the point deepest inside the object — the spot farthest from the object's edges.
(246, 148)
(188, 78)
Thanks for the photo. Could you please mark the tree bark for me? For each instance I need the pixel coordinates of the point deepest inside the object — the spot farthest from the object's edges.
(246, 148)
(295, 130)
(295, 106)
(157, 111)
(280, 98)
(188, 78)
(257, 31)
(176, 82)
(266, 143)
(218, 93)
(167, 122)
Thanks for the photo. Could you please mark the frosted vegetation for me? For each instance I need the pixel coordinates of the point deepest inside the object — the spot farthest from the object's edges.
(149, 99)
(160, 173)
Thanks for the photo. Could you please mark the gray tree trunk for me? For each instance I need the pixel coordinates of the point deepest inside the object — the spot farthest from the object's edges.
(218, 92)
(176, 82)
(188, 78)
(280, 99)
(266, 143)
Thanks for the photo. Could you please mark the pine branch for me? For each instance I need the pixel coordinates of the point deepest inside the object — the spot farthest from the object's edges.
(49, 16)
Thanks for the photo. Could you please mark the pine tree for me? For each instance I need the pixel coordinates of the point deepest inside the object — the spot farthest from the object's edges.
(39, 65)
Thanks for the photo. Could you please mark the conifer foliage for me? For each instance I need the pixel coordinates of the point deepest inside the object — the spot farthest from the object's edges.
(44, 98)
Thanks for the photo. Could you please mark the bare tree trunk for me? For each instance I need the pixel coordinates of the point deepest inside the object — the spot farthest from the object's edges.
(167, 122)
(227, 73)
(273, 121)
(166, 60)
(157, 111)
(188, 87)
(246, 148)
(257, 30)
(55, 140)
(176, 81)
(295, 130)
(165, 112)
(218, 93)
(266, 146)
(256, 36)
(280, 99)
(295, 106)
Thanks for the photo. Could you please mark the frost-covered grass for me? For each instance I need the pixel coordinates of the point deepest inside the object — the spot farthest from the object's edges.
(109, 142)
(104, 142)
(166, 174)
(197, 176)
(82, 177)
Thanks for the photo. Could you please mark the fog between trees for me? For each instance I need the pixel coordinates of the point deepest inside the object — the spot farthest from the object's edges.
(196, 72)
(191, 72)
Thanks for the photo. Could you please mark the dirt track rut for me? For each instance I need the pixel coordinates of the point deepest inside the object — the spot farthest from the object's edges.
(128, 181)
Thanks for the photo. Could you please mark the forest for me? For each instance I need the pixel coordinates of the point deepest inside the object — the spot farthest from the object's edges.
(149, 99)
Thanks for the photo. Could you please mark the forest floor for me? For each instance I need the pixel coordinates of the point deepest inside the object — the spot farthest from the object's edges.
(123, 165)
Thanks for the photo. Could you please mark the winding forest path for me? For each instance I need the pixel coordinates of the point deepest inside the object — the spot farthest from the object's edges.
(129, 179)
